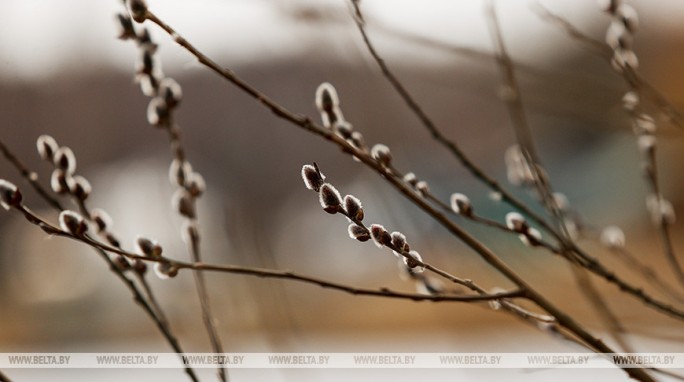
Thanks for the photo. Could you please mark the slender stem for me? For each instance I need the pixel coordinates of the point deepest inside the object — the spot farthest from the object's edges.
(272, 273)
(647, 273)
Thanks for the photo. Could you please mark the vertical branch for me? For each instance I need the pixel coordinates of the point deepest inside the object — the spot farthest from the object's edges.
(166, 94)
(620, 39)
(516, 111)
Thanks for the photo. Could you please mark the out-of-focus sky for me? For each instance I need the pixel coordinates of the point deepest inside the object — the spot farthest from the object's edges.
(41, 37)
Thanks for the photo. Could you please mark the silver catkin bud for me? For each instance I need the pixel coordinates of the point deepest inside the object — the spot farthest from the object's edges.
(313, 178)
(10, 196)
(330, 198)
(148, 247)
(380, 235)
(460, 204)
(73, 223)
(138, 10)
(79, 187)
(516, 222)
(65, 160)
(381, 154)
(102, 219)
(353, 207)
(357, 232)
(47, 146)
(58, 181)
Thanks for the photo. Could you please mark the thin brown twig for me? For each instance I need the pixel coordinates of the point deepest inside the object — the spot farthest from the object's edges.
(647, 273)
(272, 273)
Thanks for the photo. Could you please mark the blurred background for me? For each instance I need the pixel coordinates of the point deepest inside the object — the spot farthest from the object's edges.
(63, 72)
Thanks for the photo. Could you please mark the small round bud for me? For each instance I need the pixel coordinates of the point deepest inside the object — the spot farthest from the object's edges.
(516, 222)
(122, 263)
(399, 241)
(326, 97)
(646, 143)
(158, 113)
(47, 146)
(179, 172)
(112, 240)
(139, 267)
(10, 196)
(357, 141)
(146, 64)
(561, 201)
(461, 204)
(357, 232)
(79, 187)
(65, 160)
(353, 207)
(532, 237)
(313, 178)
(189, 233)
(196, 185)
(381, 154)
(148, 247)
(414, 261)
(170, 91)
(661, 210)
(184, 203)
(101, 219)
(422, 188)
(58, 182)
(138, 10)
(618, 37)
(644, 124)
(144, 40)
(410, 179)
(630, 101)
(72, 223)
(612, 237)
(495, 304)
(165, 270)
(125, 26)
(380, 235)
(330, 198)
(624, 58)
(628, 16)
(327, 103)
